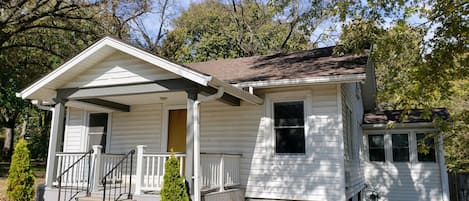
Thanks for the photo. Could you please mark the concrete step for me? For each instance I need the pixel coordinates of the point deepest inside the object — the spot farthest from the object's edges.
(98, 199)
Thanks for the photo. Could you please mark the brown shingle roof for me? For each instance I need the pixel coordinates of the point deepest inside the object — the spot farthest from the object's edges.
(301, 64)
(382, 117)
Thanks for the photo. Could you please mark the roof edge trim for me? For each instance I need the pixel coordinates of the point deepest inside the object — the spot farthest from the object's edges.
(304, 81)
(121, 46)
(399, 125)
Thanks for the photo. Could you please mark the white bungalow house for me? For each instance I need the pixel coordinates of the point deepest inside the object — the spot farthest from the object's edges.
(277, 127)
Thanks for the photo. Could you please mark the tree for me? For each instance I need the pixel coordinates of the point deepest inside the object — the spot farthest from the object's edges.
(418, 66)
(213, 30)
(174, 186)
(36, 36)
(20, 184)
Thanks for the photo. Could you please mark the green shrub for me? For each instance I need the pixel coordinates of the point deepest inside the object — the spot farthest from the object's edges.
(174, 186)
(20, 184)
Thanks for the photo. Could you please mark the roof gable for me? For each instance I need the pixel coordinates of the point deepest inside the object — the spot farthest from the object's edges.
(119, 68)
(45, 87)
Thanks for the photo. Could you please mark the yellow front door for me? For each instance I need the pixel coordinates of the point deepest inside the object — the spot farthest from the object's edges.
(177, 130)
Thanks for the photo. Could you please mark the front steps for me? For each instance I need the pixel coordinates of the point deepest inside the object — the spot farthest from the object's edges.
(97, 199)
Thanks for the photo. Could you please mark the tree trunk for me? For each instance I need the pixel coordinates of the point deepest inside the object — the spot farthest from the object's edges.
(9, 139)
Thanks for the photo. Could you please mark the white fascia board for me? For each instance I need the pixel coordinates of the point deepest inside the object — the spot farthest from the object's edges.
(126, 48)
(237, 92)
(398, 126)
(333, 79)
(62, 69)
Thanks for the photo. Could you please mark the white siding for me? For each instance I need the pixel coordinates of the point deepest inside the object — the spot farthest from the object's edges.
(351, 96)
(405, 181)
(74, 129)
(402, 181)
(317, 175)
(119, 68)
(140, 126)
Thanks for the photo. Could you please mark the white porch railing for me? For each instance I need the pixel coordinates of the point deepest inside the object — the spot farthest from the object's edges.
(219, 170)
(153, 170)
(78, 174)
(108, 161)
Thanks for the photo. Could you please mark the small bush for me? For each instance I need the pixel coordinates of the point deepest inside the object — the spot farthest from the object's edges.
(20, 184)
(174, 186)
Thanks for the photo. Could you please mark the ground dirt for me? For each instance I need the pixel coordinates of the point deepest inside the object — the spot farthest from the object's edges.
(38, 170)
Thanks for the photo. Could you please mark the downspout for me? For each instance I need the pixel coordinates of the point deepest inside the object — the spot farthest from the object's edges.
(196, 116)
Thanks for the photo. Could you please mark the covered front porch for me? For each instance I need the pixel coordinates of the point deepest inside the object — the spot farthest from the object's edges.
(126, 138)
(116, 107)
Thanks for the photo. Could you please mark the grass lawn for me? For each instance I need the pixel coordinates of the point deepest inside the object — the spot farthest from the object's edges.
(38, 170)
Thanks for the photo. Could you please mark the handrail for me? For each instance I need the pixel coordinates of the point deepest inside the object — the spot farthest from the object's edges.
(76, 162)
(66, 172)
(117, 170)
(220, 154)
(118, 163)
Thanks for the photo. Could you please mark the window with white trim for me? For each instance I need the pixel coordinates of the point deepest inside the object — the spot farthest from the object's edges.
(289, 127)
(376, 147)
(429, 143)
(400, 147)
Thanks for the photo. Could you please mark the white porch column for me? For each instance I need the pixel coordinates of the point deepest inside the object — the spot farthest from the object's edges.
(191, 98)
(56, 134)
(138, 171)
(96, 169)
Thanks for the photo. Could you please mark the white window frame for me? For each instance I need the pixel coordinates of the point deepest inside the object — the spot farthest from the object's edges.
(271, 98)
(411, 134)
(108, 132)
(409, 140)
(366, 146)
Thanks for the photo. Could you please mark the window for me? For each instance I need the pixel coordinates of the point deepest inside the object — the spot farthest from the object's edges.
(429, 142)
(400, 147)
(376, 147)
(289, 127)
(97, 130)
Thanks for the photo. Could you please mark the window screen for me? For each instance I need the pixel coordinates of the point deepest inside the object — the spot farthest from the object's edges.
(289, 127)
(430, 144)
(376, 147)
(400, 147)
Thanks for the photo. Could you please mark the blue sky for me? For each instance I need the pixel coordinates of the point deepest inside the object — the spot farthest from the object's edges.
(151, 23)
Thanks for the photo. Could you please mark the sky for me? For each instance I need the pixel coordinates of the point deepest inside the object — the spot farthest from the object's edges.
(151, 23)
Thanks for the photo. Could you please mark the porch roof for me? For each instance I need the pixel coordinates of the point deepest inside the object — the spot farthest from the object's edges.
(46, 88)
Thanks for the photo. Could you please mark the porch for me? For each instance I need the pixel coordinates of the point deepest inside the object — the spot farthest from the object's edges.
(138, 173)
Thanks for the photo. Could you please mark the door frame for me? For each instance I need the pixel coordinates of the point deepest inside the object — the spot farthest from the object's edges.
(165, 124)
(87, 129)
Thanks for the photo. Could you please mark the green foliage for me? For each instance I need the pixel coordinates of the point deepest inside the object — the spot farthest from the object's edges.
(419, 66)
(174, 187)
(214, 30)
(20, 184)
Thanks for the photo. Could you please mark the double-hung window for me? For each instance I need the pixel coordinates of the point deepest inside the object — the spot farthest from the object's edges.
(400, 147)
(289, 126)
(429, 142)
(376, 147)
